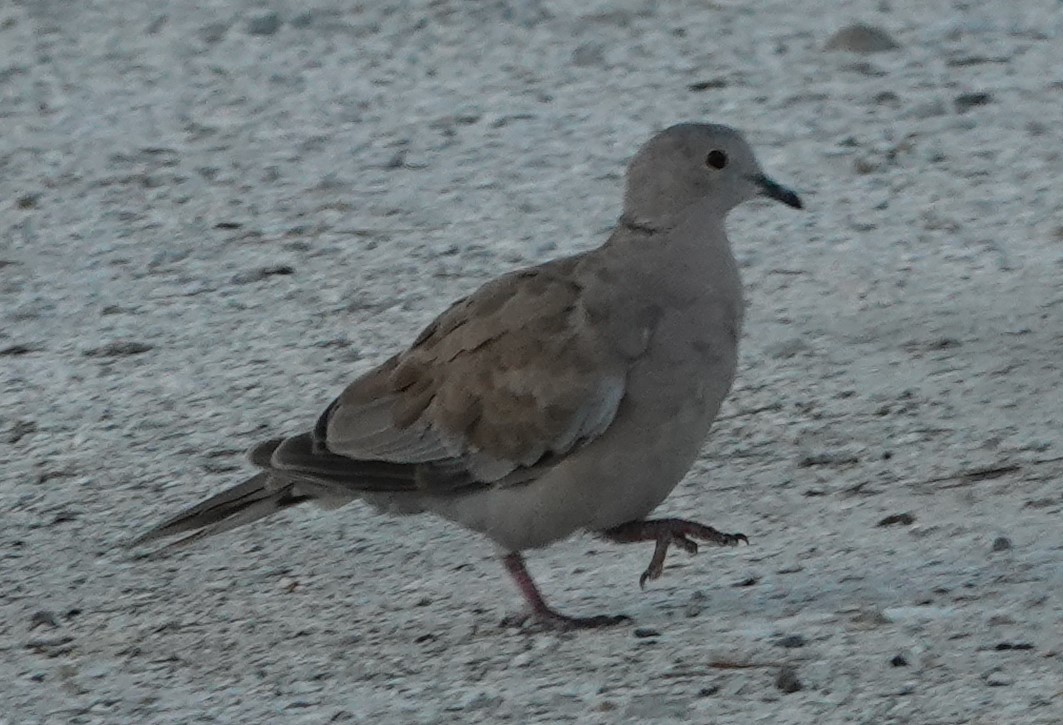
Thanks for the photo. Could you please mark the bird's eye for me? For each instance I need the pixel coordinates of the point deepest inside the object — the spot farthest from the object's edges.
(716, 159)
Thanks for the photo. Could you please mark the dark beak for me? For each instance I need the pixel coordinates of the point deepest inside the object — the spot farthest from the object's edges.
(777, 191)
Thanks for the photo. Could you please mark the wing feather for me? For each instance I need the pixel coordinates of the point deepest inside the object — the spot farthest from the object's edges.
(508, 379)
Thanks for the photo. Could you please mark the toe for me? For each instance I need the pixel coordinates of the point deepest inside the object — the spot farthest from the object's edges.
(688, 545)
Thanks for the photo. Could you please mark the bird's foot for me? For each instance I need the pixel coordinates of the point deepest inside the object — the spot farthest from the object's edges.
(554, 620)
(540, 612)
(666, 532)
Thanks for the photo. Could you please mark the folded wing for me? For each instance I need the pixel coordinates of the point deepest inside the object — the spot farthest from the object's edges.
(503, 383)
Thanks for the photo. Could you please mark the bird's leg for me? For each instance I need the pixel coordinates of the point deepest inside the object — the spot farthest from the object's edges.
(514, 564)
(666, 532)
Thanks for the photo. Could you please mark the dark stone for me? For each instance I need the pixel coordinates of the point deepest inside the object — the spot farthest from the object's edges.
(966, 101)
(861, 38)
(787, 680)
(257, 275)
(905, 519)
(266, 24)
(708, 85)
(790, 641)
(119, 348)
(1007, 646)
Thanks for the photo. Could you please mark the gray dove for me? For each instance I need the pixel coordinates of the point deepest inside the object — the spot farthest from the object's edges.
(569, 396)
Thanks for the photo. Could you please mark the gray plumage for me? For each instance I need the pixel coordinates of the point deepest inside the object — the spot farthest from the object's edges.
(573, 395)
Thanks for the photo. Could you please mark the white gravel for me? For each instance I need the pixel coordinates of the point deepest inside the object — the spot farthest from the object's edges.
(215, 214)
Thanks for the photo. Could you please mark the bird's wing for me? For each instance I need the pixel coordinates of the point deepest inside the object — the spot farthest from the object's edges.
(508, 380)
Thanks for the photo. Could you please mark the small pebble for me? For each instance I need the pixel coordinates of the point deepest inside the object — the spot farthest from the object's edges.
(790, 641)
(861, 38)
(18, 349)
(27, 201)
(588, 54)
(864, 166)
(397, 160)
(926, 109)
(266, 24)
(1001, 543)
(20, 429)
(827, 458)
(257, 275)
(697, 604)
(1006, 646)
(787, 680)
(119, 348)
(899, 661)
(904, 519)
(906, 689)
(708, 85)
(966, 101)
(213, 32)
(998, 620)
(42, 618)
(785, 349)
(997, 678)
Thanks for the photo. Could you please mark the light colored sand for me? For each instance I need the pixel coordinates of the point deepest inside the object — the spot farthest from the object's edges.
(905, 332)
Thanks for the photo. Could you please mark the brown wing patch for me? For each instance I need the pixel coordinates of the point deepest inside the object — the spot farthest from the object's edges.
(511, 378)
(504, 378)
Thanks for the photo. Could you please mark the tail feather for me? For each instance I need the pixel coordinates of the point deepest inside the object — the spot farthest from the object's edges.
(255, 498)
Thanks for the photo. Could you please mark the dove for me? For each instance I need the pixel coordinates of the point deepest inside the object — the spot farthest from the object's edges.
(571, 396)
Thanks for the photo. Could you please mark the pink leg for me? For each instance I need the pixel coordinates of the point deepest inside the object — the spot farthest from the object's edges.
(666, 532)
(514, 564)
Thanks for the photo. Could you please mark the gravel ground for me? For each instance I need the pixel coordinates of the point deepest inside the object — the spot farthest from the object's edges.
(215, 214)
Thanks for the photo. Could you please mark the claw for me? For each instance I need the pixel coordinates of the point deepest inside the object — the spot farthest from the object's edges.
(545, 615)
(665, 532)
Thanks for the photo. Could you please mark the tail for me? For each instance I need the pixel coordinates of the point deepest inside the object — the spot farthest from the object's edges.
(259, 496)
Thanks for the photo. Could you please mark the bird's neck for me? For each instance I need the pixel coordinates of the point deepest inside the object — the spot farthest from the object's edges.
(696, 234)
(646, 227)
(685, 260)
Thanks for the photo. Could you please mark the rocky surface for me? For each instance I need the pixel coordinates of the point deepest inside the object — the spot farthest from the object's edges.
(213, 217)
